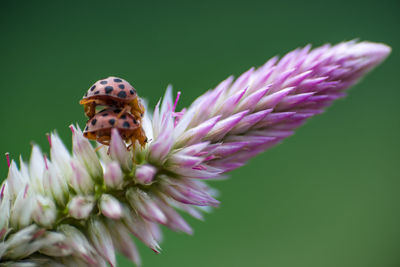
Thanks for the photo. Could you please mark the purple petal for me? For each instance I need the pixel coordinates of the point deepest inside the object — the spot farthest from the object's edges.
(224, 126)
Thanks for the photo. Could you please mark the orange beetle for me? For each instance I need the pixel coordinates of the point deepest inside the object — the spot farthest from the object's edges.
(112, 91)
(99, 127)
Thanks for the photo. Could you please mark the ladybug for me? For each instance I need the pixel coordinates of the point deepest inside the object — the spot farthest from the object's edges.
(99, 127)
(112, 91)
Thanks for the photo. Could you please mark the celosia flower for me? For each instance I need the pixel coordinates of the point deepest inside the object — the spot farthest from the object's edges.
(76, 209)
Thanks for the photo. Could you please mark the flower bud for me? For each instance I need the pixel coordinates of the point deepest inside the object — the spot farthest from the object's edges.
(44, 211)
(110, 207)
(85, 153)
(119, 152)
(5, 205)
(123, 242)
(141, 229)
(21, 210)
(81, 181)
(145, 206)
(61, 157)
(79, 207)
(79, 243)
(19, 242)
(55, 186)
(102, 241)
(145, 174)
(36, 169)
(55, 245)
(16, 181)
(113, 177)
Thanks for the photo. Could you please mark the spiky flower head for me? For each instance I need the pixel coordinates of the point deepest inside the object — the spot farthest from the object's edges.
(77, 209)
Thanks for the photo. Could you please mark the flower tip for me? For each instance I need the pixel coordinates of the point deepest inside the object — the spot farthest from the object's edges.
(378, 51)
(48, 138)
(176, 100)
(156, 250)
(72, 128)
(385, 50)
(8, 159)
(380, 47)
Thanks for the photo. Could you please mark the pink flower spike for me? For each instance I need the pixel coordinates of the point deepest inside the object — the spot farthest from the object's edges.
(114, 191)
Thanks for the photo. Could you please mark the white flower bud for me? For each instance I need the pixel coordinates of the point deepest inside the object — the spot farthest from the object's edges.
(85, 153)
(44, 211)
(119, 152)
(81, 181)
(21, 210)
(145, 174)
(79, 243)
(15, 180)
(123, 242)
(36, 168)
(55, 186)
(110, 207)
(145, 206)
(60, 156)
(56, 245)
(79, 207)
(141, 229)
(113, 177)
(102, 241)
(20, 240)
(5, 206)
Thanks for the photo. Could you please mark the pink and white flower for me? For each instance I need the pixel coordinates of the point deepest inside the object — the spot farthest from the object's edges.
(76, 209)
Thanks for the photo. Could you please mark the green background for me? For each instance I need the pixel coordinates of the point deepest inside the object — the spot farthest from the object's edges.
(326, 197)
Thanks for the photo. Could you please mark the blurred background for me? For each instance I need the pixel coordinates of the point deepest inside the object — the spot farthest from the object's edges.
(326, 197)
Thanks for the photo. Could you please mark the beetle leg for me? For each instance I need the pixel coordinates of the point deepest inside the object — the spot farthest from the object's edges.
(132, 145)
(89, 106)
(90, 109)
(99, 147)
(86, 101)
(90, 136)
(137, 108)
(104, 140)
(140, 135)
(124, 110)
(133, 142)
